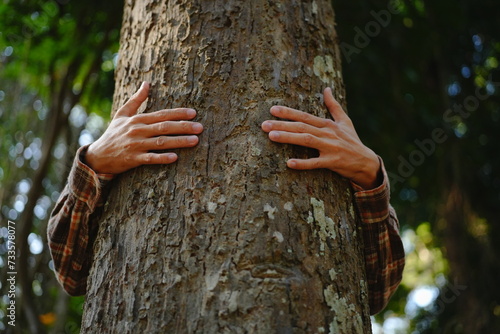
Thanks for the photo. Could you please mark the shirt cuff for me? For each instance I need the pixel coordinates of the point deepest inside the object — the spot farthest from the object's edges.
(373, 204)
(85, 184)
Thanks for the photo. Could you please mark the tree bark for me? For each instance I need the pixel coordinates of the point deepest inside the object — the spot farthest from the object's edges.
(228, 240)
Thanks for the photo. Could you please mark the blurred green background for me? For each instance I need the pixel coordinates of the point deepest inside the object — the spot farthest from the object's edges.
(423, 84)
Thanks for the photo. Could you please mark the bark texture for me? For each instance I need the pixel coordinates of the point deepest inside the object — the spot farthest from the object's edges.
(228, 240)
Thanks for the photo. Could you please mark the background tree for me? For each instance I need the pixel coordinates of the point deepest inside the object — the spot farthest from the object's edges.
(435, 57)
(51, 83)
(228, 238)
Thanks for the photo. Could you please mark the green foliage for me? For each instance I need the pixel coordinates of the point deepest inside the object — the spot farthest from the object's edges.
(54, 56)
(432, 57)
(425, 261)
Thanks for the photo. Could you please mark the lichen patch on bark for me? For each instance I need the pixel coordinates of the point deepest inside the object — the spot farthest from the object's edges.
(326, 226)
(324, 68)
(346, 319)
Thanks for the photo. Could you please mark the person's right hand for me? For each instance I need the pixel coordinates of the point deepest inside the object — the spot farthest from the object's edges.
(130, 137)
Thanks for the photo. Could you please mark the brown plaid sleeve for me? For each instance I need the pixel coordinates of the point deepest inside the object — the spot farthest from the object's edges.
(71, 230)
(383, 248)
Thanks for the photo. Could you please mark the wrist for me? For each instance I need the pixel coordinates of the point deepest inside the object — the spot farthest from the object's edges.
(370, 177)
(90, 159)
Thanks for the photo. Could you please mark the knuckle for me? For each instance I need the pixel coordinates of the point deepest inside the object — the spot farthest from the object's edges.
(128, 159)
(308, 138)
(133, 131)
(284, 111)
(301, 127)
(181, 141)
(166, 114)
(159, 114)
(331, 133)
(186, 126)
(160, 141)
(306, 117)
(148, 158)
(133, 103)
(132, 120)
(163, 127)
(330, 123)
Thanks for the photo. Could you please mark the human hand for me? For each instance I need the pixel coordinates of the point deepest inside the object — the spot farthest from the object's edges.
(339, 146)
(130, 137)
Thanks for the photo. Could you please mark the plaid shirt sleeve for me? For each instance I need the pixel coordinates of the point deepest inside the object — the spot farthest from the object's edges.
(383, 248)
(72, 228)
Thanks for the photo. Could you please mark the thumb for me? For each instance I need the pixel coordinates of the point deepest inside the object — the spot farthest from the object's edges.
(333, 106)
(131, 106)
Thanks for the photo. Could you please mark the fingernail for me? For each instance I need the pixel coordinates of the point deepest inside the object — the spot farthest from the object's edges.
(191, 112)
(197, 127)
(274, 135)
(266, 126)
(275, 109)
(192, 139)
(171, 156)
(292, 164)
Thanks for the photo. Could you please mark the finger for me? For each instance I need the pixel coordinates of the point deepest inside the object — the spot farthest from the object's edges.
(305, 164)
(131, 106)
(173, 128)
(296, 127)
(333, 106)
(156, 158)
(167, 143)
(166, 128)
(301, 139)
(178, 114)
(298, 116)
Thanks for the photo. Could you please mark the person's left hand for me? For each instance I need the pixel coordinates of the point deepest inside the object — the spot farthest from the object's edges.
(339, 146)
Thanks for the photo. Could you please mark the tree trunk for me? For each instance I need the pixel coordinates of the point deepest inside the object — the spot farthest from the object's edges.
(228, 240)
